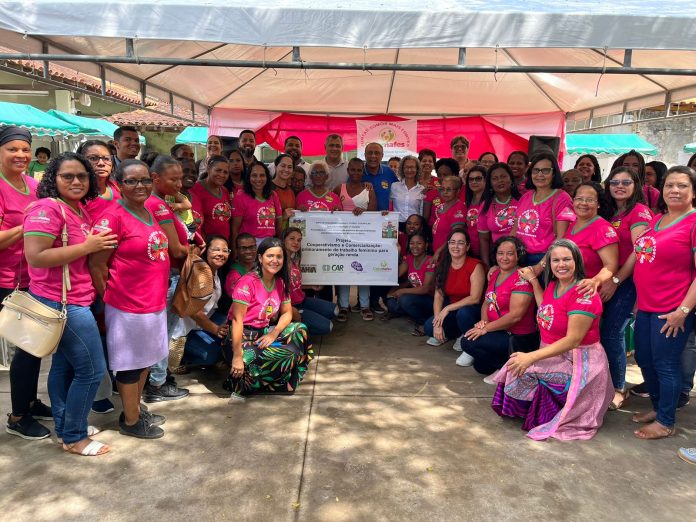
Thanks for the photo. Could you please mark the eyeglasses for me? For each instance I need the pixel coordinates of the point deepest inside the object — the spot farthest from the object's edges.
(69, 178)
(477, 179)
(460, 147)
(456, 243)
(218, 250)
(617, 182)
(545, 171)
(145, 182)
(318, 173)
(97, 159)
(585, 200)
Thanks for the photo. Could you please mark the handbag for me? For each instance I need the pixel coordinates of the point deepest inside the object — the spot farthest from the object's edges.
(31, 325)
(195, 287)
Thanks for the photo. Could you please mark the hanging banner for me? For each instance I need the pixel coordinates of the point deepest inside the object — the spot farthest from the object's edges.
(344, 249)
(397, 137)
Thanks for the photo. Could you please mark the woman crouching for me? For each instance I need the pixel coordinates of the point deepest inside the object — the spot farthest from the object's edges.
(266, 358)
(563, 389)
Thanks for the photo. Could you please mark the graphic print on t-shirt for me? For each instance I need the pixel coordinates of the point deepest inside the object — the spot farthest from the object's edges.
(545, 316)
(529, 221)
(472, 216)
(646, 248)
(221, 211)
(157, 246)
(492, 300)
(266, 216)
(269, 305)
(415, 280)
(505, 217)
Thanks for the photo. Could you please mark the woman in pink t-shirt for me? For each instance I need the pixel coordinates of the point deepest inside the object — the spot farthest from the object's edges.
(507, 314)
(99, 156)
(519, 164)
(666, 296)
(317, 314)
(588, 166)
(450, 214)
(78, 364)
(630, 218)
(211, 200)
(497, 216)
(563, 389)
(133, 280)
(318, 197)
(265, 357)
(634, 160)
(17, 191)
(235, 182)
(474, 190)
(257, 209)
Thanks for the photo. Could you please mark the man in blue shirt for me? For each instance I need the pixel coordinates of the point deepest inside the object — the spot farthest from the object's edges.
(381, 178)
(378, 175)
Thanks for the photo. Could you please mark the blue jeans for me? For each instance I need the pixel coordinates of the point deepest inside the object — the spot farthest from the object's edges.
(492, 350)
(77, 368)
(158, 371)
(203, 348)
(317, 315)
(456, 323)
(344, 295)
(416, 306)
(617, 314)
(688, 362)
(533, 259)
(659, 359)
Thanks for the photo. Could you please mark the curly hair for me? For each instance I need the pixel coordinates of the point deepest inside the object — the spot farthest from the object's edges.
(48, 187)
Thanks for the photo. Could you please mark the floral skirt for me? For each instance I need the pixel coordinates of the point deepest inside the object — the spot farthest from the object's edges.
(277, 368)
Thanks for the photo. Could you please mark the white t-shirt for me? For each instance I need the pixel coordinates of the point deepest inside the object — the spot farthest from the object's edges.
(185, 324)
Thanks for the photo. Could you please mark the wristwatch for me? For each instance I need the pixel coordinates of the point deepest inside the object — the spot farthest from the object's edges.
(615, 280)
(685, 309)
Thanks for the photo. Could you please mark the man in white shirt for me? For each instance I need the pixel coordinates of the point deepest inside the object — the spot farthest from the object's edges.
(338, 167)
(293, 148)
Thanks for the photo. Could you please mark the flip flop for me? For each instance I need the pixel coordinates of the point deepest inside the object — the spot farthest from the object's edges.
(662, 432)
(367, 314)
(93, 449)
(618, 405)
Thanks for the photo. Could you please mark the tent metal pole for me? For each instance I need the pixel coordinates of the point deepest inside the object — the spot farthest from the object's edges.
(205, 62)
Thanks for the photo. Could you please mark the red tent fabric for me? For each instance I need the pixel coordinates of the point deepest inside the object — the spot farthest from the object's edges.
(434, 134)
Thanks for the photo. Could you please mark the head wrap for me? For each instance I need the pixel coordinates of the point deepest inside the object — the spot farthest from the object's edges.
(12, 133)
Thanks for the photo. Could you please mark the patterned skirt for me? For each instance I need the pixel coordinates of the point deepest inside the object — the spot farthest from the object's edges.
(277, 368)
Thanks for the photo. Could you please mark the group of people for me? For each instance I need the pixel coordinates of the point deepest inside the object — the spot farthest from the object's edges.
(530, 271)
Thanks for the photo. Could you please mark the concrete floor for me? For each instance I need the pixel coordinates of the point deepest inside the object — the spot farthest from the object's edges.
(383, 428)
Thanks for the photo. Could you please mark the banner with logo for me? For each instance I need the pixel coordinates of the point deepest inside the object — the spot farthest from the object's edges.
(343, 249)
(397, 137)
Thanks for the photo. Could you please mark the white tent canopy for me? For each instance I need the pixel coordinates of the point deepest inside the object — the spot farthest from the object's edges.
(414, 58)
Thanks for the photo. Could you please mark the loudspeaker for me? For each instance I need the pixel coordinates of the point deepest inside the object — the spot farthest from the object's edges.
(544, 144)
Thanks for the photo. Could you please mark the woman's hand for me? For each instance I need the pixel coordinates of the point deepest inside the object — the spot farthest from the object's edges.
(104, 240)
(519, 362)
(439, 318)
(266, 340)
(588, 287)
(289, 212)
(302, 209)
(357, 211)
(439, 333)
(237, 369)
(606, 292)
(476, 332)
(527, 273)
(223, 330)
(674, 323)
(394, 293)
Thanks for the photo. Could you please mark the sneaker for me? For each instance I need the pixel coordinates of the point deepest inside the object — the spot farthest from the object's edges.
(457, 346)
(434, 342)
(141, 429)
(465, 359)
(27, 427)
(684, 399)
(152, 418)
(102, 407)
(40, 411)
(235, 398)
(640, 390)
(687, 455)
(490, 379)
(166, 392)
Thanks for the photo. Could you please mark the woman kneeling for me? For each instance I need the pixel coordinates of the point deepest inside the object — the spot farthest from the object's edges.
(563, 389)
(265, 358)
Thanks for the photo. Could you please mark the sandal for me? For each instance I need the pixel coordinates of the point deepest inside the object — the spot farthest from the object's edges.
(367, 314)
(342, 316)
(617, 405)
(418, 332)
(654, 431)
(93, 449)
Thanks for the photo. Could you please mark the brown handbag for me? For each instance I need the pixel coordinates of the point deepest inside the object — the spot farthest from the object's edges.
(195, 287)
(31, 325)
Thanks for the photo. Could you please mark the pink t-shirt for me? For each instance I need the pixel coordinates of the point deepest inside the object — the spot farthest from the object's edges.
(96, 207)
(258, 216)
(416, 274)
(534, 222)
(235, 274)
(594, 236)
(215, 210)
(499, 219)
(297, 295)
(446, 219)
(44, 218)
(498, 295)
(640, 215)
(473, 215)
(139, 268)
(652, 196)
(12, 205)
(555, 310)
(164, 214)
(262, 303)
(328, 202)
(435, 199)
(665, 263)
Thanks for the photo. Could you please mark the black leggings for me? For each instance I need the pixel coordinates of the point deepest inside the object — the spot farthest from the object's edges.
(24, 375)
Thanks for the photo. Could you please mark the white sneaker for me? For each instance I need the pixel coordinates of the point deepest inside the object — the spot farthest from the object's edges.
(465, 359)
(489, 379)
(457, 346)
(433, 342)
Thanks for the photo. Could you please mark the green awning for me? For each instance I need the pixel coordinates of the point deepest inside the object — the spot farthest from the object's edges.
(690, 147)
(88, 126)
(198, 135)
(612, 144)
(35, 121)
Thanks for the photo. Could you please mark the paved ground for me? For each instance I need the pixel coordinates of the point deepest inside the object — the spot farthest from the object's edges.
(383, 428)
